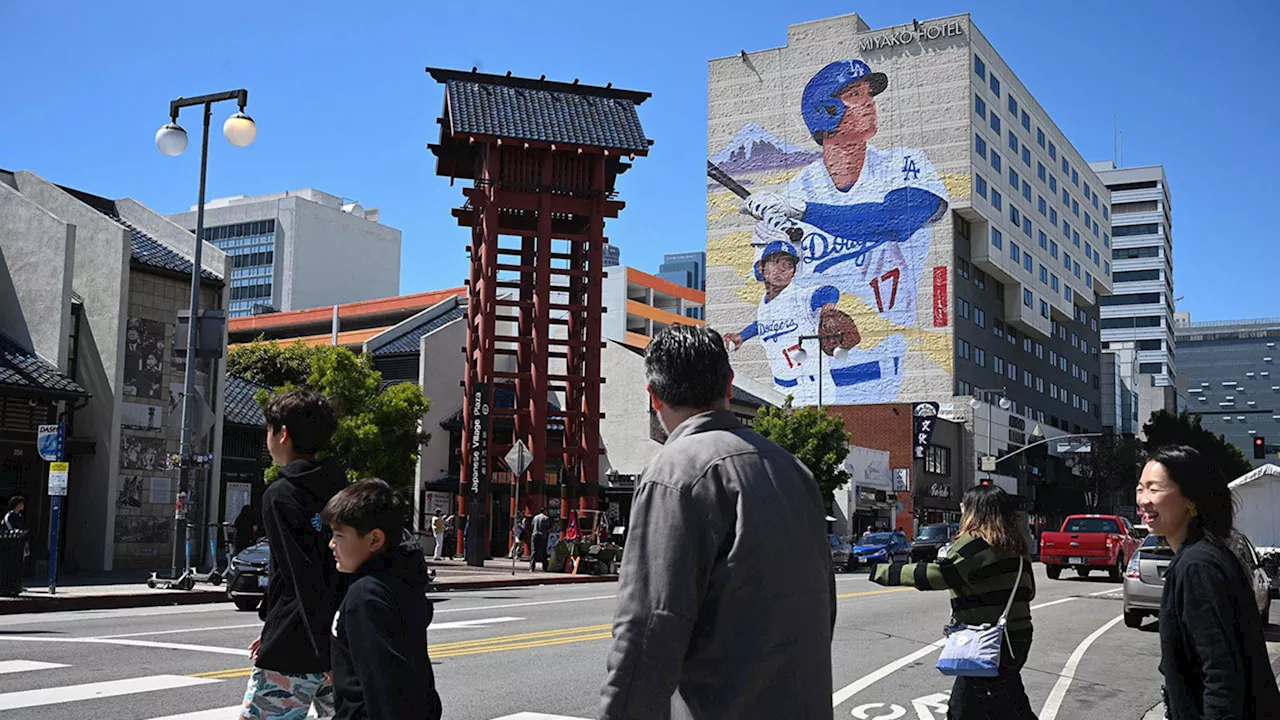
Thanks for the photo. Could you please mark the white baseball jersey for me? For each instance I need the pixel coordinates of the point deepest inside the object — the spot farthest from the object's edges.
(875, 266)
(779, 324)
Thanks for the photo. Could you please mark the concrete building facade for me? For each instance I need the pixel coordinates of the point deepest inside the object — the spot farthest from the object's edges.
(1137, 320)
(637, 305)
(300, 249)
(688, 269)
(1233, 381)
(98, 285)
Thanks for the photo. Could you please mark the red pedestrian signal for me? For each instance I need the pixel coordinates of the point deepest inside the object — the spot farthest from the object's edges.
(1259, 448)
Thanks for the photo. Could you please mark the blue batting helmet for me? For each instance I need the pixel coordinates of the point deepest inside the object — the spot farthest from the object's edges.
(776, 247)
(820, 104)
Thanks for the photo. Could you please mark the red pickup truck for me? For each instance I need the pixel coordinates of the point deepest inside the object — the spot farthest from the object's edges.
(1087, 543)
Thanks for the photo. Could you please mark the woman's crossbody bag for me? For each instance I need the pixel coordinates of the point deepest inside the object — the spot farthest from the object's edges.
(975, 651)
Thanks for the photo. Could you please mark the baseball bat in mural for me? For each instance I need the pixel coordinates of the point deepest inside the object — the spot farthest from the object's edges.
(715, 173)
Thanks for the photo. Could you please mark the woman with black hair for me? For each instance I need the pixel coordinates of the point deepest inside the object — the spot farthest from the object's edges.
(1212, 652)
(988, 565)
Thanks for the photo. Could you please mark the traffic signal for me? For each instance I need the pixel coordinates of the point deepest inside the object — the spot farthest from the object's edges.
(984, 481)
(1259, 448)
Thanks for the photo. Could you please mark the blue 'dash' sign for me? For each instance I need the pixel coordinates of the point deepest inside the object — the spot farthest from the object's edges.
(925, 416)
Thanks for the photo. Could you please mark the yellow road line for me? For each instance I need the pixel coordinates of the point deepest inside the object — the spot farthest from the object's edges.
(872, 592)
(546, 638)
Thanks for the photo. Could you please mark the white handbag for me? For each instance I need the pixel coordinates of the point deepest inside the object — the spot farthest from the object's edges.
(975, 651)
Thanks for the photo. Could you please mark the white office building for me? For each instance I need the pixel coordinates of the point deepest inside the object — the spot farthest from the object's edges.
(300, 249)
(1137, 319)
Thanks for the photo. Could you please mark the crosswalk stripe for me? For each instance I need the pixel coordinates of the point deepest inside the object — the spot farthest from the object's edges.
(537, 716)
(17, 666)
(93, 691)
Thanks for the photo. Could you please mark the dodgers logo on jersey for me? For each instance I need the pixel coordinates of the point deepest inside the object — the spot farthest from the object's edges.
(824, 252)
(777, 329)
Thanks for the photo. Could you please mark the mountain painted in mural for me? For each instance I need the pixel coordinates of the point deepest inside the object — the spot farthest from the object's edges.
(754, 149)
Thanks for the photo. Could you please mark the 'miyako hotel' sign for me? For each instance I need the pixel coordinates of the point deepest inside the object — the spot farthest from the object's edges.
(906, 36)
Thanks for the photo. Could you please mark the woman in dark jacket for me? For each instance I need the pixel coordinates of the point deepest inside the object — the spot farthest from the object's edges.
(1212, 652)
(986, 560)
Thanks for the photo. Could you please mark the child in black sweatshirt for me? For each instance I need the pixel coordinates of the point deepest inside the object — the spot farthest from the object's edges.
(379, 650)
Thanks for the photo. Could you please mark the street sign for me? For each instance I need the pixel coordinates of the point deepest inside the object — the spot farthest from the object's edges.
(1074, 446)
(902, 479)
(988, 463)
(58, 478)
(518, 458)
(49, 441)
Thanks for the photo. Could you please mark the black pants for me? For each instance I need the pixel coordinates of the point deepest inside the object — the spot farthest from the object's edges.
(999, 698)
(539, 551)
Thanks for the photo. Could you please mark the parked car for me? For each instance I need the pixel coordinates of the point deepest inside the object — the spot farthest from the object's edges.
(930, 540)
(880, 548)
(250, 570)
(1087, 543)
(841, 552)
(247, 579)
(1141, 531)
(1144, 578)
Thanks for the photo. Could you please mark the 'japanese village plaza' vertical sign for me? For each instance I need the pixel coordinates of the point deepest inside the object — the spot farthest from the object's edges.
(908, 35)
(479, 439)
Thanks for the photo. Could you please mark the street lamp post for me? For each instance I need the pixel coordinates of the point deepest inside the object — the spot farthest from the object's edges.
(975, 403)
(800, 355)
(240, 130)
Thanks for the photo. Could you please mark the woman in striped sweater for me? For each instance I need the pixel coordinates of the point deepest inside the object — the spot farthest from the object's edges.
(980, 571)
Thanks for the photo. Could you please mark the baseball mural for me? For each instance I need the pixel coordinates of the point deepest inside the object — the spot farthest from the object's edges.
(830, 241)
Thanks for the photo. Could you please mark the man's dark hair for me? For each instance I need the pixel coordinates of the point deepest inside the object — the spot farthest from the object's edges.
(366, 506)
(309, 416)
(15, 501)
(1202, 484)
(688, 367)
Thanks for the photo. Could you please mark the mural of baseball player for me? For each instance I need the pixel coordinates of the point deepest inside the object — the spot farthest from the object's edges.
(787, 313)
(866, 216)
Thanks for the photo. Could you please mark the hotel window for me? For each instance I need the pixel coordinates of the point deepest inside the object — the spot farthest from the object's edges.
(1015, 252)
(980, 106)
(1028, 299)
(1053, 282)
(1075, 177)
(979, 67)
(1013, 107)
(1041, 205)
(1066, 229)
(1013, 141)
(1044, 241)
(963, 306)
(1053, 249)
(1088, 252)
(1026, 378)
(937, 460)
(1075, 207)
(1053, 217)
(1106, 213)
(1066, 199)
(979, 357)
(1026, 226)
(1040, 137)
(997, 201)
(1053, 151)
(1026, 262)
(1095, 201)
(1014, 215)
(995, 84)
(997, 364)
(1106, 240)
(1026, 191)
(995, 124)
(1044, 309)
(1066, 167)
(1088, 280)
(1039, 351)
(1044, 275)
(997, 239)
(1040, 171)
(1066, 261)
(1026, 121)
(962, 349)
(1026, 344)
(1087, 193)
(995, 161)
(980, 317)
(1075, 269)
(1067, 294)
(980, 146)
(1026, 156)
(981, 185)
(1040, 385)
(1013, 179)
(1075, 238)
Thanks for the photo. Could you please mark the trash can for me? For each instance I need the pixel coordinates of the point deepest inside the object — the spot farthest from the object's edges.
(12, 543)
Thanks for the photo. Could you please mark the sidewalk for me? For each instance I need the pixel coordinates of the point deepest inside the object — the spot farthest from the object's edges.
(128, 589)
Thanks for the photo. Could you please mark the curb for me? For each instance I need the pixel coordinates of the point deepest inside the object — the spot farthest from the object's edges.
(30, 604)
(523, 582)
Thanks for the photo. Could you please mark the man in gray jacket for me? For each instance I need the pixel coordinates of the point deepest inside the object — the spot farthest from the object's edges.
(727, 599)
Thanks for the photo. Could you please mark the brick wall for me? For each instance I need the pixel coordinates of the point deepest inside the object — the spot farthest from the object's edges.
(884, 427)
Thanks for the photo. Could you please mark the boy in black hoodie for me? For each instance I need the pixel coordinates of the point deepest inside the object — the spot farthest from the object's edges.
(291, 657)
(380, 666)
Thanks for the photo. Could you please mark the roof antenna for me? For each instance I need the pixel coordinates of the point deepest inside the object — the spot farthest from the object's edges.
(743, 54)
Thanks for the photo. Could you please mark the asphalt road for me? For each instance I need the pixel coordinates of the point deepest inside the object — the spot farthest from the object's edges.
(542, 650)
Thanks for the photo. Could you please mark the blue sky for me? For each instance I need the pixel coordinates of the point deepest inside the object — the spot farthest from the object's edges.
(342, 104)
